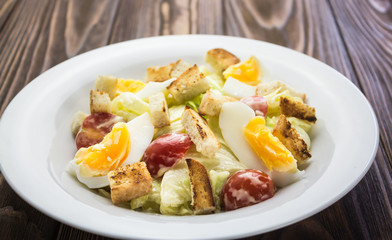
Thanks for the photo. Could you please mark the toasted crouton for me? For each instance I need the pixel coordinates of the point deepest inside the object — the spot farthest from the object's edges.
(179, 67)
(266, 88)
(159, 74)
(129, 182)
(159, 111)
(211, 103)
(77, 122)
(291, 139)
(201, 135)
(293, 108)
(107, 84)
(220, 59)
(99, 102)
(188, 85)
(202, 196)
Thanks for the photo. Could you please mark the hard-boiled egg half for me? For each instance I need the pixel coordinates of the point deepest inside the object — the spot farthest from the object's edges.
(125, 144)
(255, 146)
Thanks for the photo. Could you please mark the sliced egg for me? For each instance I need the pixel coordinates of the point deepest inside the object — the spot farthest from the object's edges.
(248, 71)
(125, 144)
(268, 147)
(154, 87)
(233, 117)
(237, 89)
(233, 121)
(142, 131)
(129, 85)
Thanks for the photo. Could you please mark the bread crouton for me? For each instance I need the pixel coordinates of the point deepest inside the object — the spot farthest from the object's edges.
(291, 139)
(159, 111)
(77, 122)
(220, 59)
(211, 103)
(200, 133)
(179, 67)
(129, 182)
(266, 88)
(202, 196)
(293, 108)
(107, 84)
(188, 85)
(159, 73)
(99, 102)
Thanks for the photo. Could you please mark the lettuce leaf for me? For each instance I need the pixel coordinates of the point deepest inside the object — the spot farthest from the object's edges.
(273, 100)
(149, 202)
(129, 106)
(176, 194)
(195, 102)
(218, 179)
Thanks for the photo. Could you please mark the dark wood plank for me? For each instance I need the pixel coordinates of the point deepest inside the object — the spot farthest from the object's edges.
(369, 43)
(6, 7)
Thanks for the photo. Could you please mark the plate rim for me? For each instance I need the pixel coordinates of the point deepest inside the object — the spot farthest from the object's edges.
(326, 204)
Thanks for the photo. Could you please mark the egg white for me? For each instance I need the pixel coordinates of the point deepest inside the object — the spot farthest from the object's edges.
(237, 89)
(233, 117)
(141, 133)
(153, 87)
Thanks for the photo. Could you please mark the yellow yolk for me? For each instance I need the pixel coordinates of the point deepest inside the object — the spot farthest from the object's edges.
(268, 147)
(109, 154)
(129, 85)
(248, 72)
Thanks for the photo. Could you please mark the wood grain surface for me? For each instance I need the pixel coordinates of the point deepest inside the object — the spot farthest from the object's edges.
(352, 36)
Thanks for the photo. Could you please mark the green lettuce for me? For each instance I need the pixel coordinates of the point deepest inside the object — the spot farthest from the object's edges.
(129, 106)
(195, 102)
(218, 179)
(176, 197)
(149, 202)
(273, 100)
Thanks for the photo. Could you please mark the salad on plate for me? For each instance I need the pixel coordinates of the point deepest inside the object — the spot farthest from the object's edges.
(193, 139)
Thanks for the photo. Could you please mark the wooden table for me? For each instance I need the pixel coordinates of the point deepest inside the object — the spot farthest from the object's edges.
(352, 36)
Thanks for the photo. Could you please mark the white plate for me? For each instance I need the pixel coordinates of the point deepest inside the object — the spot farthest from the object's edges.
(36, 141)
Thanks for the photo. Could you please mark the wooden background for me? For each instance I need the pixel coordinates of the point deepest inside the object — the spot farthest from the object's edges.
(352, 36)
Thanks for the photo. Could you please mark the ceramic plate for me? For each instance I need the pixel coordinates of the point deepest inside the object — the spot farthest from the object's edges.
(36, 141)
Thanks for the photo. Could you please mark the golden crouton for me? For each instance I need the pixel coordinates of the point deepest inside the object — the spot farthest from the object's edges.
(77, 122)
(201, 135)
(99, 102)
(202, 196)
(129, 182)
(220, 59)
(266, 88)
(179, 67)
(211, 103)
(291, 139)
(107, 84)
(159, 111)
(159, 74)
(188, 85)
(293, 108)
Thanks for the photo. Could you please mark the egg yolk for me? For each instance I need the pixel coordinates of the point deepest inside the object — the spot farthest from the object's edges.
(248, 72)
(109, 154)
(268, 147)
(129, 85)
